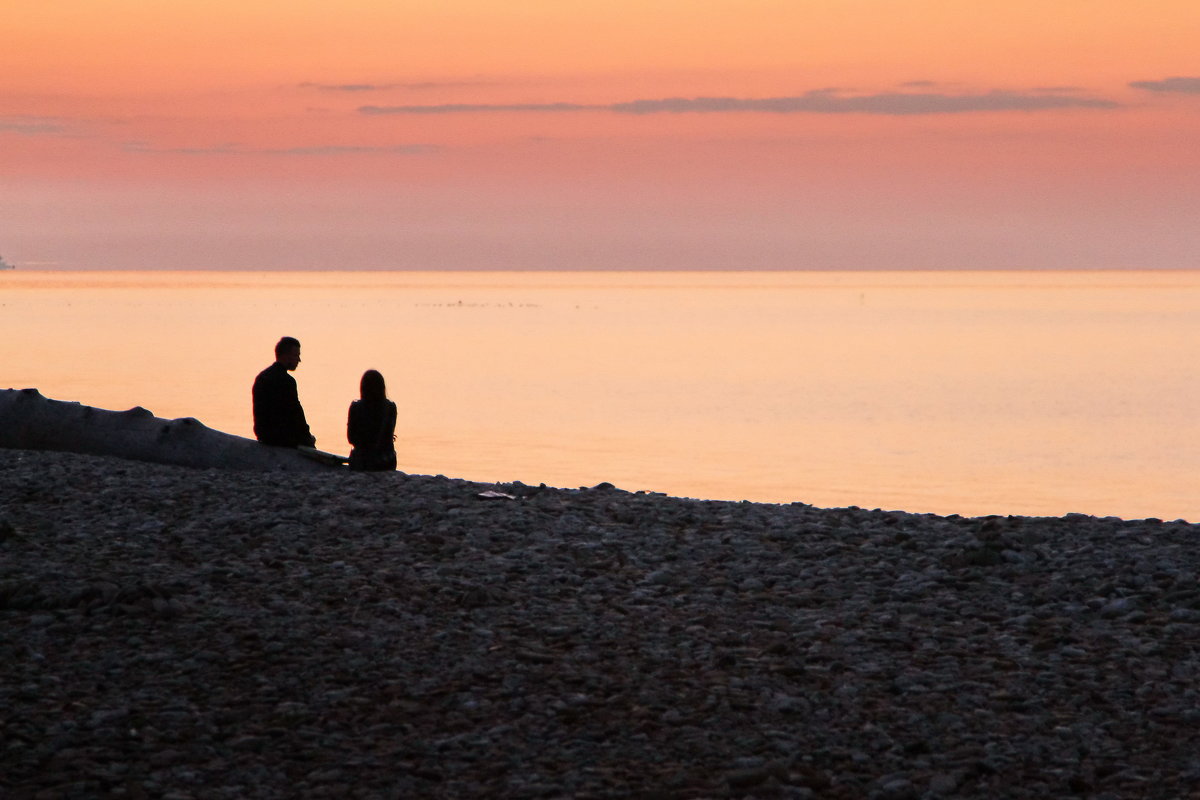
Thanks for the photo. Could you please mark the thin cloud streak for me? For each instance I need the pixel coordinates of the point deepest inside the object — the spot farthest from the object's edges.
(32, 126)
(348, 87)
(315, 151)
(824, 101)
(352, 88)
(891, 103)
(469, 108)
(1184, 85)
(338, 150)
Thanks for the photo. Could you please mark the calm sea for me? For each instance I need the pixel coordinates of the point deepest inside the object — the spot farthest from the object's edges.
(949, 392)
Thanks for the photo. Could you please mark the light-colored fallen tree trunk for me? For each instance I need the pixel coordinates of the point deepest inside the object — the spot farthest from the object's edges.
(29, 421)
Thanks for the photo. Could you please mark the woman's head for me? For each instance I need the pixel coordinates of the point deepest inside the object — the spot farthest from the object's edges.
(371, 387)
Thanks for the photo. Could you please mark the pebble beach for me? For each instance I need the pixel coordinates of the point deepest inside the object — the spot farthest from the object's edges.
(178, 633)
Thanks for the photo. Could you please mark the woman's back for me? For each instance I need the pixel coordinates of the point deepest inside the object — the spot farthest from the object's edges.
(371, 426)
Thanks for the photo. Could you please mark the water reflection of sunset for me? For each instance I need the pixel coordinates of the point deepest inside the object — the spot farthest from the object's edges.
(972, 393)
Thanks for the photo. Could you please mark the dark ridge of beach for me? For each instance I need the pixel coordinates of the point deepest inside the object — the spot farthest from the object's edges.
(177, 633)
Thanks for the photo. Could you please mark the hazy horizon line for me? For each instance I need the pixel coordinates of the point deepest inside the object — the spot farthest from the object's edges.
(650, 270)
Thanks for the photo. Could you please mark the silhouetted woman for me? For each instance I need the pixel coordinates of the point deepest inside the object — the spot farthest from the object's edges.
(371, 427)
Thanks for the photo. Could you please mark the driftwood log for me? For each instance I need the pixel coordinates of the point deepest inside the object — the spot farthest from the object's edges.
(29, 421)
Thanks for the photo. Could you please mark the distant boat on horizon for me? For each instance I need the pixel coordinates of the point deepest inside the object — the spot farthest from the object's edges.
(5, 265)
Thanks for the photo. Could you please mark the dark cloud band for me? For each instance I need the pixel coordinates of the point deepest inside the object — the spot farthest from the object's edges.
(818, 102)
(892, 103)
(1177, 84)
(32, 126)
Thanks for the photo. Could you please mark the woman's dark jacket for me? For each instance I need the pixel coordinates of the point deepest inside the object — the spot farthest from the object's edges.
(371, 429)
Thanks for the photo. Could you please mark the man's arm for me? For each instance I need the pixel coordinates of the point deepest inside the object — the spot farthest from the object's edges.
(298, 424)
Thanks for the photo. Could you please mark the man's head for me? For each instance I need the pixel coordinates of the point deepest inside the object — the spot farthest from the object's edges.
(287, 352)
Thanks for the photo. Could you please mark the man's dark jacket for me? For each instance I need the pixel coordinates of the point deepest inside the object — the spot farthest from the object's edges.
(278, 417)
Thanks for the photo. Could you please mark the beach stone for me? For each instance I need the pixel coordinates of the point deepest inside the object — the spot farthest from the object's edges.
(896, 789)
(1118, 607)
(216, 635)
(943, 784)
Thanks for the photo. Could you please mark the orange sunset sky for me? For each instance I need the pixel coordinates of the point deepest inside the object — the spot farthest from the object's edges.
(600, 134)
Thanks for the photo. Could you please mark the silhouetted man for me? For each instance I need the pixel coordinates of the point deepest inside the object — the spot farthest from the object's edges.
(278, 417)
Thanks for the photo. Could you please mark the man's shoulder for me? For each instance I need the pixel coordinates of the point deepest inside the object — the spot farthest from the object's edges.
(274, 372)
(271, 381)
